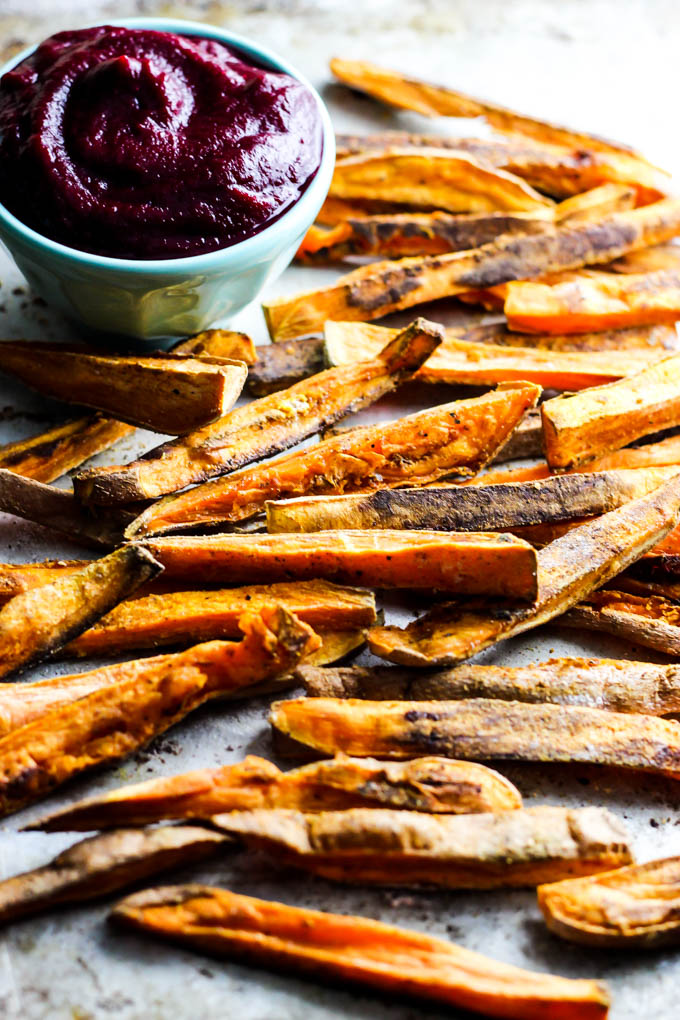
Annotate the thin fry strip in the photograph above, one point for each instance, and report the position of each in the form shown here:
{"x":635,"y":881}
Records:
{"x":451,"y":439}
{"x":48,"y":455}
{"x":651,"y":621}
{"x":636,"y":907}
{"x":382,"y":287}
{"x":615,"y":685}
{"x":433,"y":785}
{"x":36,"y":623}
{"x":263,"y":427}
{"x":482,"y":728}
{"x":150,"y":696}
{"x":355,"y":949}
{"x":568,"y":570}
{"x":103,"y":864}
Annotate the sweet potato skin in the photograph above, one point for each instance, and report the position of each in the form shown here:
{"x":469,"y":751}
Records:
{"x":50,"y":454}
{"x":281,"y":365}
{"x":358,"y":950}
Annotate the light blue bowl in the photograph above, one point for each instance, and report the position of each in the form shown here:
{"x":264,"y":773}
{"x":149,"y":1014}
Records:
{"x":161,"y":298}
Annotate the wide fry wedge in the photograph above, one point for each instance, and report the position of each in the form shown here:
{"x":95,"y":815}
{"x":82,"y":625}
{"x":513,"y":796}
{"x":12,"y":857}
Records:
{"x":649,"y":620}
{"x":451,"y":439}
{"x":95,"y":867}
{"x":426,"y":784}
{"x":616,"y":685}
{"x":474,"y":563}
{"x":382,"y":287}
{"x":355,"y":949}
{"x":165,"y":393}
{"x":568,"y":570}
{"x":37,"y":622}
{"x":50,"y":454}
{"x":482,"y":728}
{"x":406,"y":848}
{"x":263,"y":427}
{"x":148,"y":697}
{"x":636,"y":907}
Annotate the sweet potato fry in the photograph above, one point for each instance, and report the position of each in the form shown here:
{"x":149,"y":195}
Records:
{"x":95,"y":867}
{"x":467,"y":563}
{"x":36,"y":623}
{"x":434,"y":785}
{"x":451,"y":439}
{"x":647,"y":260}
{"x":356,"y":949}
{"x":336,"y":645}
{"x":141,"y":700}
{"x":568,"y":570}
{"x":482,"y":728}
{"x":166,"y":393}
{"x":263,"y":427}
{"x":579,"y":427}
{"x":176,"y":618}
{"x":636,"y":907}
{"x":651,"y":621}
{"x":596,"y":202}
{"x":281,"y":365}
{"x":48,"y":455}
{"x":219,"y":343}
{"x":469,"y":508}
{"x":372,"y":291}
{"x":616,"y":685}
{"x":406,"y":848}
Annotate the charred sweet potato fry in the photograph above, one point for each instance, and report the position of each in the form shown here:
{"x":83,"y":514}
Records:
{"x":568,"y":570}
{"x":356,"y":949}
{"x":372,"y":291}
{"x":281,"y":365}
{"x":50,"y":454}
{"x":469,"y":508}
{"x":406,"y":848}
{"x":95,"y":867}
{"x":434,"y":785}
{"x":219,"y":343}
{"x":616,"y":685}
{"x":651,"y":621}
{"x":636,"y":907}
{"x":145,"y":699}
{"x":36,"y":623}
{"x":166,"y":393}
{"x":175,"y":618}
{"x":579,"y":427}
{"x":451,"y":439}
{"x":265,"y":426}
{"x":468,"y":563}
{"x":482,"y":728}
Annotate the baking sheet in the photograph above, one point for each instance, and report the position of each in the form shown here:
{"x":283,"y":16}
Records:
{"x":585,"y":64}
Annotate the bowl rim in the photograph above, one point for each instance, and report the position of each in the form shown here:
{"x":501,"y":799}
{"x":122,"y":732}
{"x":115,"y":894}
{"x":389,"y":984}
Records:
{"x":294,"y":220}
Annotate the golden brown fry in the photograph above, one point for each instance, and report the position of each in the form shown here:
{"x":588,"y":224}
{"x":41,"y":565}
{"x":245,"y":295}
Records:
{"x":36,"y":623}
{"x":636,"y":907}
{"x":568,"y":570}
{"x":166,"y":393}
{"x":50,"y":454}
{"x":406,"y":848}
{"x":281,"y":365}
{"x":651,"y":621}
{"x":263,"y":427}
{"x":337,"y":645}
{"x":356,"y":949}
{"x":219,"y":343}
{"x":372,"y":291}
{"x":95,"y":867}
{"x":451,"y":439}
{"x":593,"y":204}
{"x":647,"y":260}
{"x":435,"y":785}
{"x":142,"y":699}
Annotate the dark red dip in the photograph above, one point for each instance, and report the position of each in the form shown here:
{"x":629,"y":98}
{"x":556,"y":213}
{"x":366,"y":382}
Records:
{"x":141,"y":144}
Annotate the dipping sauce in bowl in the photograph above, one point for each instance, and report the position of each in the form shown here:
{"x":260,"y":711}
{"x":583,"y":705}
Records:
{"x":140,"y":144}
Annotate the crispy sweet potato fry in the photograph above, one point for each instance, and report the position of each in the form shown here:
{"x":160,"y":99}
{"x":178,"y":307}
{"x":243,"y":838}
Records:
{"x":568,"y":570}
{"x":265,"y":426}
{"x":95,"y":867}
{"x":141,"y":700}
{"x":596,"y":202}
{"x":651,"y":621}
{"x":451,"y":439}
{"x":336,"y":645}
{"x":636,"y":907}
{"x":434,"y":785}
{"x":175,"y":618}
{"x":482,"y":728}
{"x":474,"y":563}
{"x":37,"y":622}
{"x":50,"y":454}
{"x":382,"y":287}
{"x":616,"y":685}
{"x":579,"y":427}
{"x":166,"y":393}
{"x":219,"y":343}
{"x":356,"y":949}
{"x":469,"y":508}
{"x":281,"y":365}
{"x":405,"y":848}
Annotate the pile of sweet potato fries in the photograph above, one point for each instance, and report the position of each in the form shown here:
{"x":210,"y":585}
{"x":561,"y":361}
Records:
{"x":245,"y":575}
